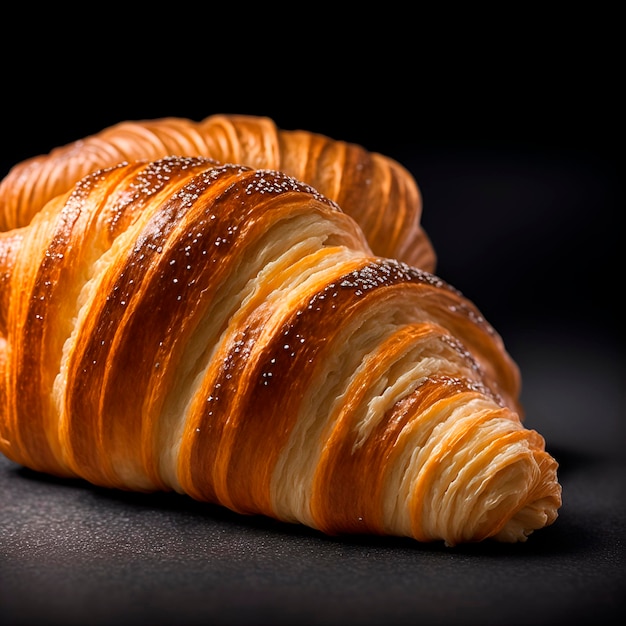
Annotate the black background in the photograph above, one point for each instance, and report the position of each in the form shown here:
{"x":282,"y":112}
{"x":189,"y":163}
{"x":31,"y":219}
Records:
{"x":512,"y":128}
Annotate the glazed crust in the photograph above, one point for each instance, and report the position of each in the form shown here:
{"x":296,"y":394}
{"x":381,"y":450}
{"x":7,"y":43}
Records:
{"x":378,"y":192}
{"x":227,"y":332}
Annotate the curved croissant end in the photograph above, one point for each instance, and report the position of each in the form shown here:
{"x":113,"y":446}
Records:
{"x":375,"y":190}
{"x":227,"y":333}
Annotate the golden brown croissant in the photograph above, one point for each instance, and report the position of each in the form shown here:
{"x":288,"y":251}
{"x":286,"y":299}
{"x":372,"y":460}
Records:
{"x":227,"y":333}
{"x":375,"y":190}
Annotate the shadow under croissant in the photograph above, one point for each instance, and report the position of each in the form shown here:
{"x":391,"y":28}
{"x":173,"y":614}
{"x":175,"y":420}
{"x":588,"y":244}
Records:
{"x":565,"y":536}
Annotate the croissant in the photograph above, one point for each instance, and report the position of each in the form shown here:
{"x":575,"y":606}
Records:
{"x":375,"y":190}
{"x":227,"y":332}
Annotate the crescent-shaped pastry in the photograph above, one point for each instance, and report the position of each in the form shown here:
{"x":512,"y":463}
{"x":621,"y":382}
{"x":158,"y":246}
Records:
{"x":378,"y":192}
{"x":227,"y":332}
